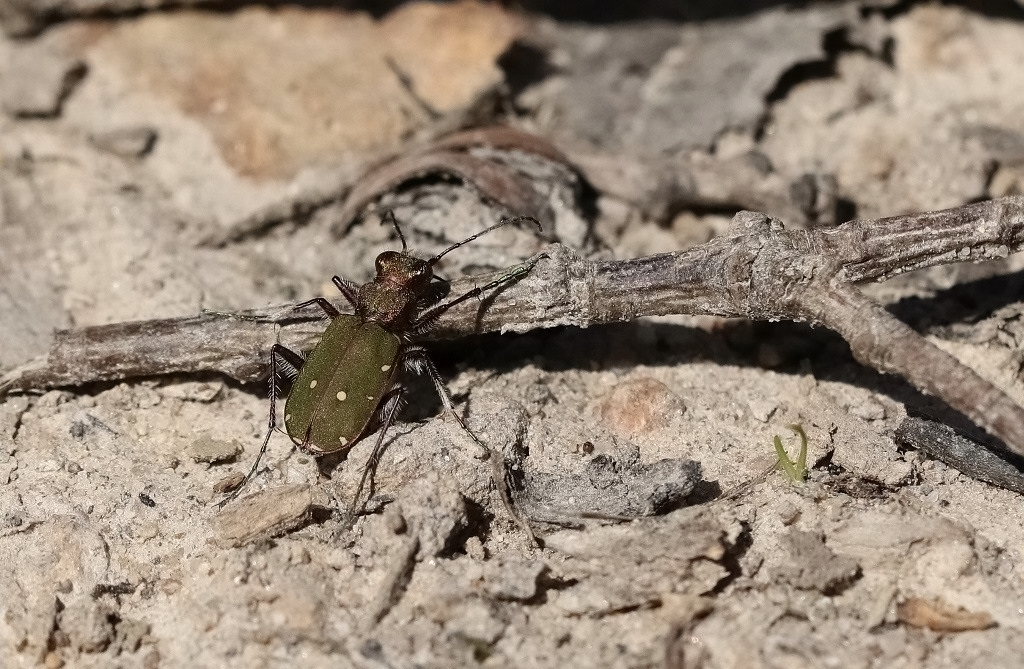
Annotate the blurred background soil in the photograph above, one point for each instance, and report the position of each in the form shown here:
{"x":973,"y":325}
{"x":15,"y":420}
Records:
{"x":130,"y":132}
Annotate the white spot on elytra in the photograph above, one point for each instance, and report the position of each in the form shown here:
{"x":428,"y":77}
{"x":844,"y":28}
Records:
{"x":312,"y":384}
{"x":287,"y":417}
{"x":369,"y":397}
{"x":385,"y":368}
{"x":343,"y":440}
{"x":341,"y":395}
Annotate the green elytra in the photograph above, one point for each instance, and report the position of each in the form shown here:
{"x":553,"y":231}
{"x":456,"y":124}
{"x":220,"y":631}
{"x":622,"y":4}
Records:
{"x":349,"y":384}
{"x":331,"y":403}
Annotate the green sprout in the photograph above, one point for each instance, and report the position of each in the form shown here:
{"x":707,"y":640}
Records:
{"x":797,"y":471}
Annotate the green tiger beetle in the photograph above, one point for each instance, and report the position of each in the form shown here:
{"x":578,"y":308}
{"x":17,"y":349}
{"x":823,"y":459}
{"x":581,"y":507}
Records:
{"x":350,"y":385}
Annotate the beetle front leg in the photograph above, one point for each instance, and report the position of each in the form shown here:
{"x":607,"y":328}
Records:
{"x":329,"y":310}
{"x":292,"y":362}
{"x":430,"y":315}
{"x":349,"y":290}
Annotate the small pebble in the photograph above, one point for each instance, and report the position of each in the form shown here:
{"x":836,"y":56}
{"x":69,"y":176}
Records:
{"x":267,"y":514}
{"x":475,"y":548}
{"x":639,"y":406}
{"x":88,"y":626}
{"x":37,"y":81}
{"x":128,"y":142}
{"x":394,"y":520}
{"x":212,"y":450}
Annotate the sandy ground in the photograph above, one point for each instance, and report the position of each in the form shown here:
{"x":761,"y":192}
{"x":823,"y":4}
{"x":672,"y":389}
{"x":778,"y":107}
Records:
{"x":125,"y":139}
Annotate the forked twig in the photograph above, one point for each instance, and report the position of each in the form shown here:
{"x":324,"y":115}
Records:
{"x":759,"y":271}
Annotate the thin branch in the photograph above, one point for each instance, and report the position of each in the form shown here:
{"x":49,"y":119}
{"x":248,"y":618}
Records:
{"x":879,"y":340}
{"x":969,"y":457}
{"x":494,"y":181}
{"x":760,"y":271}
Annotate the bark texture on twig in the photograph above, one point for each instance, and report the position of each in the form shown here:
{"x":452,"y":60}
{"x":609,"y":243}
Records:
{"x":759,"y":271}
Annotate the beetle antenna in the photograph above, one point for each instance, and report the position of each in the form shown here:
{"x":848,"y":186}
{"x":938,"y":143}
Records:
{"x":503,"y":222}
{"x":389,"y":217}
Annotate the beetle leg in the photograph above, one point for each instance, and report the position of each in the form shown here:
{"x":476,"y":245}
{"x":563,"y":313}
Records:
{"x":389,"y":407}
{"x":434,"y":293}
{"x":498,"y":471}
{"x":418,"y":355}
{"x":417,"y":358}
{"x":348,"y":289}
{"x":329,"y":310}
{"x":290,"y":359}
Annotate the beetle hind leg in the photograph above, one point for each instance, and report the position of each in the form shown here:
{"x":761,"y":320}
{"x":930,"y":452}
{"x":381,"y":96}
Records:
{"x":290,"y":364}
{"x":389,"y":408}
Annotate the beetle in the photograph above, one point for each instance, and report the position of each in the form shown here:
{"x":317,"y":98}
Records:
{"x":350,"y":384}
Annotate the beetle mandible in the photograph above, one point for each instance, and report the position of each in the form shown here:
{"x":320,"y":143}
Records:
{"x":349,"y":384}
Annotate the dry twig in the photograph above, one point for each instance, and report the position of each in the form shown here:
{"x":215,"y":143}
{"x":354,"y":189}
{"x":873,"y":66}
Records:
{"x":759,"y":271}
{"x":964,"y":455}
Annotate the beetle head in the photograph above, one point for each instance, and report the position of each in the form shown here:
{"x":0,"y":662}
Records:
{"x":404,"y":269}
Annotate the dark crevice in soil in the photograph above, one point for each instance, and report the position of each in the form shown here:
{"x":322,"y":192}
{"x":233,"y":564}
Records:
{"x":524,"y":64}
{"x":834,"y":43}
{"x":731,"y":560}
{"x":611,"y":11}
{"x":479,"y":521}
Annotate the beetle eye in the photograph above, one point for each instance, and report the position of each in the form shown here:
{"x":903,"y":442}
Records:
{"x":383,"y":260}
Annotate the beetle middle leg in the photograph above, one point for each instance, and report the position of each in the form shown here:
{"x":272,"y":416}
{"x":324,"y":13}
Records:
{"x":290,"y":362}
{"x":330,"y":311}
{"x":417,"y":355}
